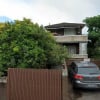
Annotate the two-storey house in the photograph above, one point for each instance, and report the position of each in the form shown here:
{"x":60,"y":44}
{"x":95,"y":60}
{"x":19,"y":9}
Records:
{"x":70,"y":35}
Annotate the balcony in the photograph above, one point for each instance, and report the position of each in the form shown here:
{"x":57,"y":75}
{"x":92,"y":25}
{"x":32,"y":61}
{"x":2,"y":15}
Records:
{"x":79,"y":56}
{"x":71,"y":38}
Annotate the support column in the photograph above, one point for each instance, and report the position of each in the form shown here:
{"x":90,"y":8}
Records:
{"x":82,"y":48}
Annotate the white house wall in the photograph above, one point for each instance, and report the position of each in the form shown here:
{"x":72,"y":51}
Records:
{"x":71,"y":38}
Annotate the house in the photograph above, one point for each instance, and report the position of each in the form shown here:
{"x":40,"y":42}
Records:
{"x":70,"y":35}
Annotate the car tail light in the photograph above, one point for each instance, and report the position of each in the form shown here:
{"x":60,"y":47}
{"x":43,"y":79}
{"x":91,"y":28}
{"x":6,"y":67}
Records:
{"x":77,"y":76}
{"x":99,"y":77}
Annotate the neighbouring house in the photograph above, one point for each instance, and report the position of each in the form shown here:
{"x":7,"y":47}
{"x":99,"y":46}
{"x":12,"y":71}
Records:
{"x":70,"y":35}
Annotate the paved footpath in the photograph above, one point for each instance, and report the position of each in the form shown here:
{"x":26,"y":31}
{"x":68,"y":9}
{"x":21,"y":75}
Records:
{"x":2,"y":91}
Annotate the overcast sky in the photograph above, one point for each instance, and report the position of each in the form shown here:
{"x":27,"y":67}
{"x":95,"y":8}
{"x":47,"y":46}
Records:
{"x":50,"y":11}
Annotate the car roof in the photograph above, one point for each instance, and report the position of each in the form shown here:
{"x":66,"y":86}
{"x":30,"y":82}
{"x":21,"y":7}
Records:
{"x":84,"y":64}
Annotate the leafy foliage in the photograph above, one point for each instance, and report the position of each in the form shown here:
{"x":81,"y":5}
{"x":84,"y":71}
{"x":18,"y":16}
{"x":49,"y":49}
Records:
{"x":27,"y":45}
{"x":93,"y":24}
{"x":2,"y":25}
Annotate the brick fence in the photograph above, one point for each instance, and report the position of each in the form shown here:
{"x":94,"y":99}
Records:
{"x":96,"y":61}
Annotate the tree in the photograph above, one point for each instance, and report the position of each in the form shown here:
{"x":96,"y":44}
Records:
{"x":1,"y":27}
{"x":93,"y":24}
{"x":27,"y":45}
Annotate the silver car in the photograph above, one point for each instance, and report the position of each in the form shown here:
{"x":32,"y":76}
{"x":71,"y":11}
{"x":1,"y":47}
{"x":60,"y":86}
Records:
{"x":84,"y":74}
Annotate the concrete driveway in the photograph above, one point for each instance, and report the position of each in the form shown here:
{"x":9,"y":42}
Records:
{"x":83,"y":94}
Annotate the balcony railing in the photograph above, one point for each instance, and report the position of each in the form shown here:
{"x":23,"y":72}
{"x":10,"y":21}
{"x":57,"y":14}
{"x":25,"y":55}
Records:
{"x":71,"y":38}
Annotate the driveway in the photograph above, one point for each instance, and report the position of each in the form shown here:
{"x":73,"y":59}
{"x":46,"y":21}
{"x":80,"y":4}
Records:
{"x":83,"y":94}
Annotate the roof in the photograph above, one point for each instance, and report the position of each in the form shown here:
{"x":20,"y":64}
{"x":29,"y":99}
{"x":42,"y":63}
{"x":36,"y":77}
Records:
{"x":85,"y":63}
{"x":65,"y":25}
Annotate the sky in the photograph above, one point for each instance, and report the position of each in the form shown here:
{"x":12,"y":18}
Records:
{"x":50,"y":11}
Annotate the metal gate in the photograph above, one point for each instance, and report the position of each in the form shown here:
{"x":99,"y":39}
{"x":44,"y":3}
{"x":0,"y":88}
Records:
{"x":34,"y":84}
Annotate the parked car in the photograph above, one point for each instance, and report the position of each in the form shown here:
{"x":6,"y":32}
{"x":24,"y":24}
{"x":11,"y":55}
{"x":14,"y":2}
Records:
{"x":84,"y":74}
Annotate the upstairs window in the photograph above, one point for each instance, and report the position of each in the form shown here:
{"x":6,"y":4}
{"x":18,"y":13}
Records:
{"x":69,"y":31}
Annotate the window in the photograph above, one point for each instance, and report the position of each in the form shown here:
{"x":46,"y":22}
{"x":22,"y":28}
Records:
{"x":72,"y":49}
{"x":69,"y":31}
{"x":88,"y":70}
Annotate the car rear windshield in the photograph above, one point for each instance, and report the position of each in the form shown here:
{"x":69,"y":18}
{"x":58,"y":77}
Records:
{"x":88,"y":70}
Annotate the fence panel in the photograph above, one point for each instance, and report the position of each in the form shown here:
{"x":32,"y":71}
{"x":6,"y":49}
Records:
{"x":33,"y":84}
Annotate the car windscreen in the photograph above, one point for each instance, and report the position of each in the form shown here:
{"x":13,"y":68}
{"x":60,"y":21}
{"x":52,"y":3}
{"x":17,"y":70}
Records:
{"x":88,"y":70}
